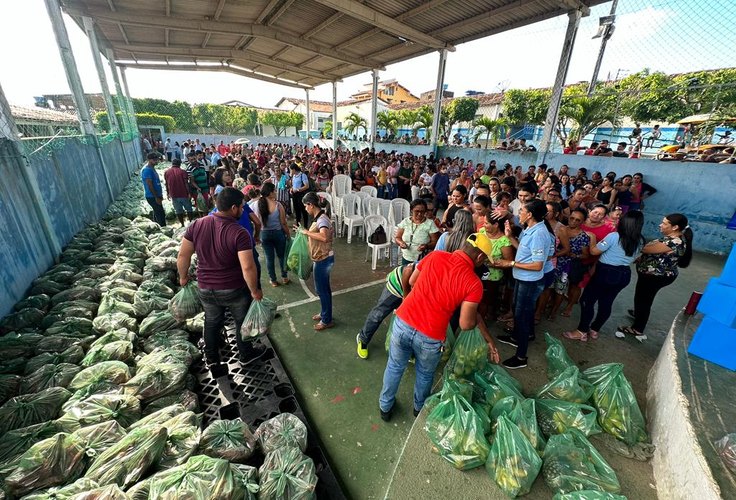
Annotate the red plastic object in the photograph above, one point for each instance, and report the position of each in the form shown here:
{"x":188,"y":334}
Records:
{"x":692,"y":304}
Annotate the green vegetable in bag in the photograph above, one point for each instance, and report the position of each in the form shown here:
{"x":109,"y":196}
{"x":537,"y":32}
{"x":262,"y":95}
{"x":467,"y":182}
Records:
{"x":123,"y":294}
{"x":299,"y":259}
{"x":567,"y":386}
{"x":571,"y":463}
{"x":287,"y":473}
{"x":67,"y":492}
{"x":29,"y":409}
{"x":524,"y":415}
{"x":109,"y":492}
{"x":588,"y":495}
{"x":25,"y":318}
{"x":127,"y":461}
{"x":159,"y":417}
{"x":101,"y":408}
{"x":618,"y":410}
{"x":99,"y":437}
{"x":9,"y":386}
{"x":120,"y":350}
{"x":76,"y":293}
{"x":14,"y":443}
{"x":177,"y":354}
{"x":153,"y":381}
{"x":557,"y":417}
{"x":450,"y":387}
{"x":557,"y":358}
{"x":104,"y":323}
{"x":258,"y":319}
{"x":165,"y":339}
{"x":115,"y":336}
{"x":457,"y":432}
{"x":96,"y":376}
{"x":186,"y":398}
{"x":17,"y":346}
{"x":490,"y":389}
{"x":229,"y":439}
{"x":58,"y":343}
{"x":182,"y":441}
{"x":50,"y":462}
{"x":280,"y":431}
{"x":469,"y":354}
{"x":40,"y":301}
{"x":70,"y":325}
{"x":513,"y":462}
{"x":72,"y":355}
{"x":141,"y":489}
{"x":109,"y":304}
{"x":157,"y":321}
{"x":49,"y":376}
{"x":200,"y":478}
{"x":157,"y":288}
{"x":185,"y":303}
{"x":13,"y":366}
{"x":246,"y":477}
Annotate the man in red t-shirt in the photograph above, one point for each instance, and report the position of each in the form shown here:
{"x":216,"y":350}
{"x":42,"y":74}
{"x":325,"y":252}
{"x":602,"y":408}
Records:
{"x":226,"y":274}
{"x":441,"y":283}
{"x":223,"y":149}
{"x":177,"y":190}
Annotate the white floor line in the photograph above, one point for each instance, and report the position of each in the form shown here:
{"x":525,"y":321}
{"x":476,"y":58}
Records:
{"x":314,"y":298}
{"x":306,"y":289}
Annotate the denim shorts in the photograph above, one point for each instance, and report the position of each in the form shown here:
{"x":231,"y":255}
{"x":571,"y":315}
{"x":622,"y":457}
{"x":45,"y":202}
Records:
{"x":182,"y":205}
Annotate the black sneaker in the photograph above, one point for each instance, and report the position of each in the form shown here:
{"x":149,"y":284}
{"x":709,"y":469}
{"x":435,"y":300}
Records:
{"x":416,"y":412}
{"x":254,"y":355}
{"x":508,"y":340}
{"x":218,"y":370}
{"x":532,"y":338}
{"x":386,"y":415}
{"x":513,"y":363}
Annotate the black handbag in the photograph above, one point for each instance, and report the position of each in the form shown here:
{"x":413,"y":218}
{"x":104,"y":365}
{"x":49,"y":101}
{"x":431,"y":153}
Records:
{"x":378,"y":237}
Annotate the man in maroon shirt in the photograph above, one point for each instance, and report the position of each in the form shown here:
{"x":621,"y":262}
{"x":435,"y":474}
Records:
{"x":177,"y":190}
{"x":226,"y":274}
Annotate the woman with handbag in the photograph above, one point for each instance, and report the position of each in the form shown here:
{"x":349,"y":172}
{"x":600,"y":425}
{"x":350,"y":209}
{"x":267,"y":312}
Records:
{"x":570,"y":267}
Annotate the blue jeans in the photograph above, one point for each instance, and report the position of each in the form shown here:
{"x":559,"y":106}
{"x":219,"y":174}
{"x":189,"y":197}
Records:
{"x":387,"y":303}
{"x":383,"y":192}
{"x":606,"y":283}
{"x":427,"y":351}
{"x":274,"y":242}
{"x":322,"y":270}
{"x":526,"y":294}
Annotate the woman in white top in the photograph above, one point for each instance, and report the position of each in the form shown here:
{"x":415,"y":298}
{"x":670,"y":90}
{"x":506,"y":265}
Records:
{"x":416,"y":233}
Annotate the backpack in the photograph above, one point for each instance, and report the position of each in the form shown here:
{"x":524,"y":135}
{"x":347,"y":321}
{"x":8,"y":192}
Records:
{"x":378,"y":237}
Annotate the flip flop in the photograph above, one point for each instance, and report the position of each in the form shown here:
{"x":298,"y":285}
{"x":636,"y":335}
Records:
{"x":583,"y":337}
{"x":565,"y":314}
{"x":323,"y":326}
{"x":317,"y":317}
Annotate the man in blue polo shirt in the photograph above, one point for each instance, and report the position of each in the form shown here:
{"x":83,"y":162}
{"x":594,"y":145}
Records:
{"x":152,"y":188}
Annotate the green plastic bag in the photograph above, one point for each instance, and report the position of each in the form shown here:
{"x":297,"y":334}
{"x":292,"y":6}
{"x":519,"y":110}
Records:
{"x":29,"y":409}
{"x":73,"y":355}
{"x":101,"y":408}
{"x":299,"y":260}
{"x":15,"y":346}
{"x":487,"y":391}
{"x":99,"y":437}
{"x":186,"y":398}
{"x":127,"y":461}
{"x":567,"y":386}
{"x":469,"y":354}
{"x":119,"y":350}
{"x":40,"y":301}
{"x":159,"y":417}
{"x":157,"y":321}
{"x":141,"y":489}
{"x":104,"y":323}
{"x":71,"y":325}
{"x":109,"y":492}
{"x":457,"y":432}
{"x":258,"y":319}
{"x":165,"y":339}
{"x":115,"y":336}
{"x":49,"y":376}
{"x":182,"y":441}
{"x":500,"y":373}
{"x":282,"y":430}
{"x":287,"y":473}
{"x":156,"y":380}
{"x":522,"y":413}
{"x":9,"y":387}
{"x":14,"y":443}
{"x":588,"y":495}
{"x":101,"y":375}
{"x":185,"y":304}
{"x":67,"y":492}
{"x":512,"y":463}
{"x":200,"y":478}
{"x":246,"y":477}
{"x":618,"y":410}
{"x":228,"y":439}
{"x":51,"y":462}
{"x":557,"y":417}
{"x":450,"y":387}
{"x":571,"y":463}
{"x":557,"y":358}
{"x":109,"y":304}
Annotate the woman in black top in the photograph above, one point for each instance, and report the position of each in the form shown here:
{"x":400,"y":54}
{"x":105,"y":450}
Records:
{"x":607,"y":194}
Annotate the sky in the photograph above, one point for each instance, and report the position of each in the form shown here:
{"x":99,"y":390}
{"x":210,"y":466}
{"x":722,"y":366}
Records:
{"x":667,"y":35}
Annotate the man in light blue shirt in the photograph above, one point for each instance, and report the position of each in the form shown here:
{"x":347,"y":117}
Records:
{"x":152,"y":189}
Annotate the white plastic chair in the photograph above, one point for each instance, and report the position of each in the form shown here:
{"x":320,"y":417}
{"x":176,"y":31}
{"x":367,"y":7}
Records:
{"x":370,"y":224}
{"x":341,"y":185}
{"x":352,"y":213}
{"x":374,"y":207}
{"x":370,"y":190}
{"x":385,"y":206}
{"x":333,"y":213}
{"x":399,"y":211}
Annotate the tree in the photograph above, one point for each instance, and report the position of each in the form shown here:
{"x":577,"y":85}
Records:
{"x":526,"y":107}
{"x":462,"y":109}
{"x":424,"y":119}
{"x":354,"y":122}
{"x":407,"y":117}
{"x":151,"y":119}
{"x":582,"y":114}
{"x":327,"y":128}
{"x":180,"y":110}
{"x":226,"y":120}
{"x":492,"y":128}
{"x":388,"y":121}
{"x":282,"y":120}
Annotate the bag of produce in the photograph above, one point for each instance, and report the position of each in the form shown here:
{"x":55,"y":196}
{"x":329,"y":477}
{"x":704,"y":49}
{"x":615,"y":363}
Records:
{"x":101,"y":374}
{"x":13,"y":366}
{"x":287,"y":473}
{"x":186,"y":398}
{"x":185,"y":303}
{"x":145,"y":303}
{"x":98,"y":437}
{"x":29,"y":409}
{"x":14,"y":443}
{"x":246,"y":477}
{"x":159,"y":417}
{"x":73,"y":355}
{"x":127,"y":461}
{"x":122,"y":293}
{"x":229,"y":439}
{"x":165,"y":339}
{"x":457,"y":432}
{"x":71,"y":325}
{"x":557,"y":417}
{"x":78,"y":308}
{"x":571,"y":463}
{"x":9,"y":386}
{"x":127,"y":275}
{"x":513,"y":462}
{"x":119,"y":350}
{"x":200,"y":478}
{"x":58,"y":343}
{"x":18,"y":346}
{"x":109,"y":304}
{"x":618,"y":411}
{"x":282,"y":430}
{"x":450,"y":387}
{"x":299,"y":260}
{"x":182,"y":441}
{"x":567,"y":386}
{"x":153,"y":381}
{"x":109,"y":492}
{"x":588,"y":495}
{"x":195,"y":325}
{"x":76,"y":293}
{"x":40,"y":301}
{"x":157,"y":321}
{"x":157,"y":288}
{"x":258,"y":319}
{"x":49,"y":376}
{"x":51,"y":462}
{"x":104,"y":323}
{"x":500,"y":373}
{"x":115,"y":336}
{"x":557,"y":357}
{"x":140,"y":490}
{"x":25,"y":318}
{"x":177,"y":353}
{"x":726,"y":448}
{"x":99,"y":408}
{"x":523,"y":414}
{"x":47,"y":287}
{"x":67,"y":492}
{"x":162,"y":264}
{"x":488,"y":390}
{"x":469,"y":354}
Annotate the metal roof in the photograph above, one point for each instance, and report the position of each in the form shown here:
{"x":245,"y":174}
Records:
{"x":299,"y":43}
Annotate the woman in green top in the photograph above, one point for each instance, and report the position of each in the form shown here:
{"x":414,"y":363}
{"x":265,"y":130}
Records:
{"x":493,"y":279}
{"x":416,"y":233}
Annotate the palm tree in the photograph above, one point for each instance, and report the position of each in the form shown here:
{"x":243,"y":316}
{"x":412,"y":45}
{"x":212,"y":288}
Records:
{"x":327,"y":128}
{"x":585,"y":114}
{"x":354,"y":122}
{"x":492,"y":128}
{"x":424,"y":119}
{"x":388,"y":120}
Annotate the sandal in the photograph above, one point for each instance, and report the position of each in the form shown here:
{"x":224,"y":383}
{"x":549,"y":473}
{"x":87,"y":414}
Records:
{"x":627,"y":331}
{"x":317,"y":317}
{"x":593,"y":334}
{"x":565,"y":314}
{"x":323,"y":326}
{"x":274,"y":284}
{"x":285,"y":281}
{"x":582,"y":337}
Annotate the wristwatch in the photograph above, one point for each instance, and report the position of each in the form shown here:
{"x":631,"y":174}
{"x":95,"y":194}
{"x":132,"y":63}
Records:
{"x":513,"y":263}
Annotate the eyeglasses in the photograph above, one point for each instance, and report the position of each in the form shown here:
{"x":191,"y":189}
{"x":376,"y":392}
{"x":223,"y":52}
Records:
{"x":419,"y":212}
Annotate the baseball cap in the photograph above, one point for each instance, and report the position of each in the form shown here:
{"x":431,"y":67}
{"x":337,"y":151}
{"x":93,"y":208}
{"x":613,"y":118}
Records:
{"x":482,"y":243}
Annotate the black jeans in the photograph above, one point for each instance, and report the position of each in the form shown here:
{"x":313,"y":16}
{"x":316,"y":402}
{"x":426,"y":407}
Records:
{"x":214,"y":303}
{"x":159,"y":214}
{"x":647,"y":287}
{"x":606,"y":283}
{"x":387,"y":303}
{"x":300,"y":213}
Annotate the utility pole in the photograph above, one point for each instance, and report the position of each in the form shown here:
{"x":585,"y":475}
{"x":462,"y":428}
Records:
{"x":605,"y":32}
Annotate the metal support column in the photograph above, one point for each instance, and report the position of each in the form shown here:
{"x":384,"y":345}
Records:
{"x":308,"y":117}
{"x":554,"y":106}
{"x":75,"y":83}
{"x":89,"y":28}
{"x":607,"y":33}
{"x":438,"y":99}
{"x":123,"y":105}
{"x":9,"y":131}
{"x":374,"y":108}
{"x":131,"y":115}
{"x":334,"y":119}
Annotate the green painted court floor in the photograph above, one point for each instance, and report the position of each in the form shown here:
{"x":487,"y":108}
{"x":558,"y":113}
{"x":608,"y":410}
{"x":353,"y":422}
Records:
{"x":339,"y":391}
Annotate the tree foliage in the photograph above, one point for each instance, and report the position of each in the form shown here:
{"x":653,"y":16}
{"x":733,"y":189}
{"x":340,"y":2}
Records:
{"x":462,"y":109}
{"x":354,"y":122}
{"x":526,"y":107}
{"x":180,"y":110}
{"x":490,"y":127}
{"x":150,"y":119}
{"x":424,"y":118}
{"x":580,"y":115}
{"x":282,"y":120}
{"x":226,"y":120}
{"x":388,"y":121}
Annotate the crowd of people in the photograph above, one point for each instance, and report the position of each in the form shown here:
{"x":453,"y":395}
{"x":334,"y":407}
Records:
{"x":481,"y":244}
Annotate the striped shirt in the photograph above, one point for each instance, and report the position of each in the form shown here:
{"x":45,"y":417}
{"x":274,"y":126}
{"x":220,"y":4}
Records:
{"x":393,"y":282}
